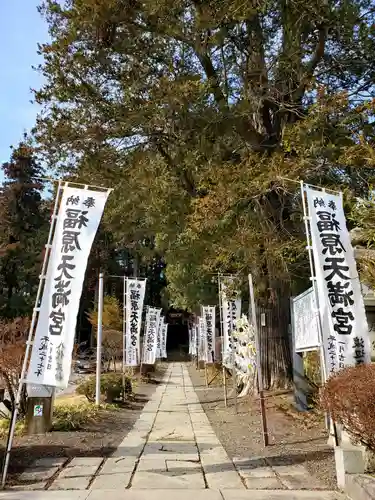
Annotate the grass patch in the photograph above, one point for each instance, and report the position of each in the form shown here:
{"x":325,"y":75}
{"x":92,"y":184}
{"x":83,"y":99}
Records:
{"x":110,"y":387}
{"x":74,"y":417}
{"x":70,"y":399}
{"x":4,"y":427}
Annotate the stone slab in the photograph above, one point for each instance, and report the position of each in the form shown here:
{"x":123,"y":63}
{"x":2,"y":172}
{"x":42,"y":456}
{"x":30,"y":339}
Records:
{"x":152,"y":465}
{"x":50,"y":462}
{"x":300,"y":482}
{"x":360,"y":486}
{"x":182,"y":465}
{"x":281,"y":495}
{"x":79,"y":471}
{"x":171,"y":450}
{"x":167,"y":480}
{"x":263,"y":483}
{"x":44,"y":495}
{"x":70,"y":483}
{"x":129,"y":451}
{"x":259,"y":472}
{"x":38,"y":474}
{"x":223,"y":480}
{"x":115,"y":465}
{"x":29,"y":487}
{"x":115,"y":481}
{"x":86,"y":461}
{"x":290,"y":470}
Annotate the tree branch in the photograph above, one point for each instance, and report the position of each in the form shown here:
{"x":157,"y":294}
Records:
{"x":312,"y":64}
{"x":185,"y":181}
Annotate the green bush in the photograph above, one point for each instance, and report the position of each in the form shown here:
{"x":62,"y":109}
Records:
{"x":4,"y":427}
{"x":74,"y":417}
{"x":110,"y":386}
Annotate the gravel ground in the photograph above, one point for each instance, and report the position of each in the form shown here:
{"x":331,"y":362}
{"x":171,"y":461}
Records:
{"x":295,"y":438}
{"x":97,"y":440}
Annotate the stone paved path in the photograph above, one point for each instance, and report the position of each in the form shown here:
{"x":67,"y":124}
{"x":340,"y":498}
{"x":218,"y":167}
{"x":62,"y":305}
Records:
{"x":171,"y":451}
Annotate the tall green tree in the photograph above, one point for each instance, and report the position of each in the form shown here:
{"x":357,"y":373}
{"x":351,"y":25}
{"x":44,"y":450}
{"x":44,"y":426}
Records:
{"x":24,"y":219}
{"x":194,"y":111}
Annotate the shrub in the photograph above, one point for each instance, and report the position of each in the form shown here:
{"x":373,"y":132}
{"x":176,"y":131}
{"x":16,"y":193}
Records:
{"x":74,"y":417}
{"x":349,"y":397}
{"x":13,"y":336}
{"x":110,"y":385}
{"x":4,"y":427}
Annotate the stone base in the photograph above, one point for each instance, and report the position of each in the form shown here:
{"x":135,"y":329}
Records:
{"x":348,"y":461}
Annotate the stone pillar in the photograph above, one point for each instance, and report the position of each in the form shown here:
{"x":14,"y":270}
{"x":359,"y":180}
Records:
{"x":39,"y":409}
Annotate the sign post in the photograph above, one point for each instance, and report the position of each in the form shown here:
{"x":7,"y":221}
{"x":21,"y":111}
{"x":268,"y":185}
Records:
{"x":259,"y":365}
{"x":99,"y":335}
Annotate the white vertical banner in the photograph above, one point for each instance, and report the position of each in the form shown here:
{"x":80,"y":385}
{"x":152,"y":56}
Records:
{"x":202,"y":340}
{"x":209,"y":322}
{"x":190,"y":341}
{"x":159,"y":338}
{"x":231,"y":312}
{"x":150,"y":337}
{"x":164,"y":340}
{"x":341,"y":307}
{"x":135,"y":295}
{"x":193,"y":340}
{"x":77,"y":222}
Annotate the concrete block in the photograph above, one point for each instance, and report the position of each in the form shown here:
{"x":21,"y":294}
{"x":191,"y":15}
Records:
{"x":171,"y":451}
{"x":263,"y":483}
{"x":38,"y":474}
{"x":44,"y":495}
{"x":222,"y":480}
{"x":70,"y":483}
{"x":281,"y":495}
{"x":115,"y":481}
{"x":290,"y":470}
{"x":133,"y":494}
{"x":79,"y":471}
{"x":360,"y":486}
{"x":86,"y":461}
{"x":348,"y":461}
{"x":167,"y":480}
{"x":116,"y":465}
{"x":300,"y":482}
{"x":152,"y":465}
{"x":50,"y":462}
{"x":29,"y":487}
{"x":182,"y":466}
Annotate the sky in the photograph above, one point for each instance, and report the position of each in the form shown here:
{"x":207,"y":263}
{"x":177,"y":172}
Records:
{"x":21,"y":28}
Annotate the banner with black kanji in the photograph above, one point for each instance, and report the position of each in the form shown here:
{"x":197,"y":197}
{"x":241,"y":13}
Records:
{"x":341,"y":307}
{"x":231,"y":312}
{"x":135,"y":296}
{"x":77,"y":222}
{"x":153,"y":320}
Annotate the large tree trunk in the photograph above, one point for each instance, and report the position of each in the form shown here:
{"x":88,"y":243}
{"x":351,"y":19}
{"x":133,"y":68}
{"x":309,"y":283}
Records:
{"x":274,"y":339}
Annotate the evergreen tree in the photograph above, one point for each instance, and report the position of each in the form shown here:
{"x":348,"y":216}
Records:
{"x":24,"y":217}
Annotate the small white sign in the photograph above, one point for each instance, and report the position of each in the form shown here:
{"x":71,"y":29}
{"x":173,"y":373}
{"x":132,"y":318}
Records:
{"x":305,"y":322}
{"x":38,"y":410}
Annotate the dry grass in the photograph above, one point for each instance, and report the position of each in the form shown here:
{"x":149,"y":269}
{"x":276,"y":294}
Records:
{"x":69,"y":399}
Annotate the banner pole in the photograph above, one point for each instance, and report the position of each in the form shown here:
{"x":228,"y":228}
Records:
{"x":259,"y":365}
{"x":123,"y":337}
{"x":144,"y":340}
{"x":323,"y":369}
{"x":21,"y":381}
{"x":222,"y":344}
{"x":196,"y":344}
{"x":99,"y":339}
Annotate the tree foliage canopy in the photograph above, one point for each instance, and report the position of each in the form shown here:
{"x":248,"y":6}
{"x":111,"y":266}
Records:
{"x":197,"y":110}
